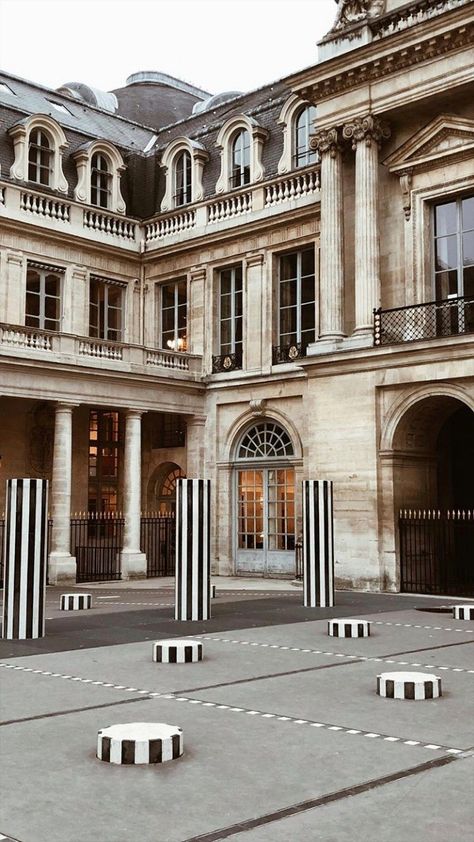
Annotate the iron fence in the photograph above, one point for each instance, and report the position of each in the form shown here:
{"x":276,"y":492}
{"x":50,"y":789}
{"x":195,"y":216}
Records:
{"x":227,"y":362}
{"x":435,"y":319}
{"x":288,"y":353}
{"x":157,"y":540}
{"x":299,"y":560}
{"x":96,"y":542}
{"x":437,"y":552}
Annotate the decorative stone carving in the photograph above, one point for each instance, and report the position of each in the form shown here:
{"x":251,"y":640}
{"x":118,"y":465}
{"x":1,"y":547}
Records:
{"x":356,"y":11}
{"x":257,"y":407}
{"x":367,"y":128}
{"x":327,"y":140}
{"x":405,"y":186}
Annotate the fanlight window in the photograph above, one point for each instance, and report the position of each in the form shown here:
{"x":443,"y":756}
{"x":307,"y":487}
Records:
{"x":40,"y":157}
{"x":101,"y":181}
{"x":168,"y":488}
{"x":265,"y":441}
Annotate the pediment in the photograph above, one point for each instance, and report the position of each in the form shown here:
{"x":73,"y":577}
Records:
{"x":447,"y":137}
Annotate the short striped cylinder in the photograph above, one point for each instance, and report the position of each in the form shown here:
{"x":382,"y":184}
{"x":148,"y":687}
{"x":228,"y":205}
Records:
{"x":137,"y":743}
{"x":75,"y":601}
{"x":177,"y":651}
{"x":349,"y":628}
{"x":25,"y":558}
{"x":463,"y":612}
{"x":213,"y":591}
{"x":318,"y":544}
{"x":192,"y":595}
{"x":415,"y":686}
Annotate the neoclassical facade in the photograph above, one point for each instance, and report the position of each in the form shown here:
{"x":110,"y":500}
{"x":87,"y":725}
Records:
{"x":260,"y":289}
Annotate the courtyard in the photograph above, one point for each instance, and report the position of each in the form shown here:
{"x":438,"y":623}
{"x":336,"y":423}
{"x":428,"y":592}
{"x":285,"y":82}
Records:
{"x":285,"y":738}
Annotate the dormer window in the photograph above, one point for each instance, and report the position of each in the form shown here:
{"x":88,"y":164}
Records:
{"x":40,"y":157}
{"x":298,"y":120}
{"x":39,"y":143}
{"x":241,"y":160}
{"x":99,"y":170}
{"x":101,"y":181}
{"x":183,"y":179}
{"x":303,"y":155}
{"x":241,"y":142}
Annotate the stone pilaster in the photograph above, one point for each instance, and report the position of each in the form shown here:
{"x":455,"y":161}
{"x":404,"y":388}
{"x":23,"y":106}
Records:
{"x":196,"y":310}
{"x":133,"y":561}
{"x":254,"y":312}
{"x":367,"y":134}
{"x":195,"y":448}
{"x":331,"y":284}
{"x":62,"y":565}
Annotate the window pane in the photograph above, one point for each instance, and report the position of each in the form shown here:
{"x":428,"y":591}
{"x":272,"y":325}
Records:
{"x":468,"y":214}
{"x":33,"y":281}
{"x":446,"y":284}
{"x":446,"y":253}
{"x":226,"y":306}
{"x":288,"y":266}
{"x":468,"y":248}
{"x":288,"y":293}
{"x":32,"y":304}
{"x":226,"y":281}
{"x":307,"y":262}
{"x":307,"y":317}
{"x":51,"y":283}
{"x":446,"y":219}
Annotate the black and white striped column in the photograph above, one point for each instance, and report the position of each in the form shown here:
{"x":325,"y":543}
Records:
{"x":463,"y":612}
{"x":318,"y":544}
{"x":75,"y":601}
{"x":25,"y":558}
{"x":193,"y":573}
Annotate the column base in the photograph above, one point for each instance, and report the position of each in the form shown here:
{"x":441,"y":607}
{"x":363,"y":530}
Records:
{"x":326,"y":345}
{"x":363,"y":338}
{"x":133,"y":565}
{"x":62,"y":569}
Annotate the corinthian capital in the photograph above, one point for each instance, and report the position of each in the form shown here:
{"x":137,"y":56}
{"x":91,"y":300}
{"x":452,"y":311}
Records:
{"x":369,"y":129}
{"x":326,"y":141}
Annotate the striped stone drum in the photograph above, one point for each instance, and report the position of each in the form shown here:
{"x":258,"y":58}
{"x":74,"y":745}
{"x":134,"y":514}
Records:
{"x":348,"y":628}
{"x":135,"y":743}
{"x":25,"y":558}
{"x":415,"y":686}
{"x":75,"y":601}
{"x":177,"y":651}
{"x":463,"y":612}
{"x":193,"y":570}
{"x":318,"y":544}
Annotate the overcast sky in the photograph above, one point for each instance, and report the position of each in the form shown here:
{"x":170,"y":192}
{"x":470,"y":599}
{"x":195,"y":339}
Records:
{"x":217,"y":45}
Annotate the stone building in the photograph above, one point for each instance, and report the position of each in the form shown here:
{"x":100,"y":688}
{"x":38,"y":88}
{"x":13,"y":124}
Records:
{"x":254,"y":287}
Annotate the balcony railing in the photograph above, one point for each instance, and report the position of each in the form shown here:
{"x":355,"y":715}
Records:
{"x":288,"y":353}
{"x":226,"y":362}
{"x":433,"y":320}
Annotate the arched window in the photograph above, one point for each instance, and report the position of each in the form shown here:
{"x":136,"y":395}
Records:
{"x":166,"y":490}
{"x":101,"y":180}
{"x":303,"y":155}
{"x":40,"y":157}
{"x":265,"y":500}
{"x":266,"y":440}
{"x":241,"y":159}
{"x":183,"y":179}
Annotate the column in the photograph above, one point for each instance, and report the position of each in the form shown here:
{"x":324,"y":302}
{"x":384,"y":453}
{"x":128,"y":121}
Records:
{"x":331,"y":284}
{"x":25,"y":558}
{"x":193,"y":579}
{"x":255,"y":334}
{"x":62,"y":565}
{"x":133,"y":561}
{"x":318,"y":544}
{"x":195,"y":448}
{"x":366,"y":134}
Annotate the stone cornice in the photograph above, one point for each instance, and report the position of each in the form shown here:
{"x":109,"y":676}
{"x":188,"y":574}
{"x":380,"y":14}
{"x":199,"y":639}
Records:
{"x":327,"y":141}
{"x":369,"y":129}
{"x":384,"y":57}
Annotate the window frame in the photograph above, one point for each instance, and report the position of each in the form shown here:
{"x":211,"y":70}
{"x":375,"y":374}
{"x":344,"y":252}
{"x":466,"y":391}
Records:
{"x":225,"y":139}
{"x":21,"y":133}
{"x":460,"y":231}
{"x":182,"y":195}
{"x":310,"y":156}
{"x":233,"y":317}
{"x":293,"y":107}
{"x":106,"y":284}
{"x":241,"y":171}
{"x":41,"y":149}
{"x":175,"y":307}
{"x":310,"y":248}
{"x":44,"y":271}
{"x":83,"y":158}
{"x":101,"y":176}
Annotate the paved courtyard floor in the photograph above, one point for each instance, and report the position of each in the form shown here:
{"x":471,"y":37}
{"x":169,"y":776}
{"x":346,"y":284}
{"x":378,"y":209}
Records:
{"x":285,"y":739}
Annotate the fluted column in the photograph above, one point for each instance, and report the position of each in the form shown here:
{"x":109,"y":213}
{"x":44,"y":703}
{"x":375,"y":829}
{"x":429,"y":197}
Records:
{"x":62,"y":565}
{"x":331,"y":307}
{"x":133,"y":561}
{"x":195,"y":446}
{"x":367,"y":134}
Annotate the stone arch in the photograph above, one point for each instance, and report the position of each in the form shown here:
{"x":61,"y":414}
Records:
{"x":248,"y":419}
{"x":408,"y":407}
{"x":160,"y":496}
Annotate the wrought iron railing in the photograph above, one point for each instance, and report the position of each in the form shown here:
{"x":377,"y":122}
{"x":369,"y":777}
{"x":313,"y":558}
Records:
{"x":288,"y":353}
{"x":226,"y":362}
{"x":433,"y":320}
{"x":436,"y":551}
{"x":158,"y":541}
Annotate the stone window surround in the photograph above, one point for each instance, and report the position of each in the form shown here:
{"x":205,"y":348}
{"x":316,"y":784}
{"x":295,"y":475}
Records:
{"x":20,"y":132}
{"x":287,"y":119}
{"x":47,"y":268}
{"x":83,"y":160}
{"x":199,"y":158}
{"x":224,"y":142}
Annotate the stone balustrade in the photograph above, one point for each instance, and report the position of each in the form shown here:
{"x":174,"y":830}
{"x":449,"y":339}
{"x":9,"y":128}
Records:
{"x":292,"y":187}
{"x":25,"y":337}
{"x":165,"y":359}
{"x":100,"y":349}
{"x":44,"y":206}
{"x":229,"y":207}
{"x":108,"y":223}
{"x":173,"y":224}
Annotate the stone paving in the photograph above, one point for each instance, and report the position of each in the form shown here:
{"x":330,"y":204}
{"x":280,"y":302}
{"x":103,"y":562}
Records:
{"x":285,"y":739}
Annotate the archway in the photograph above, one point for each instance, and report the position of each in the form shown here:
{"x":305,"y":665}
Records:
{"x":161,"y":492}
{"x":265,"y":499}
{"x":433,"y":466}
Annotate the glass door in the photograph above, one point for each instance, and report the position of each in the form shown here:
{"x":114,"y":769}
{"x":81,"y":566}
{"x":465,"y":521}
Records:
{"x":265,"y":520}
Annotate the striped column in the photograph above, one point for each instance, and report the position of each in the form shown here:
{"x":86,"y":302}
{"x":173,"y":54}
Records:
{"x":25,"y":558}
{"x":193,"y":575}
{"x":318,"y":544}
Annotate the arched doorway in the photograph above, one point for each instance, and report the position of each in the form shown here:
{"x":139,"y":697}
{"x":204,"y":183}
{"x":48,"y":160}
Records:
{"x":265,"y":498}
{"x":433,"y":489}
{"x":161,"y":497}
